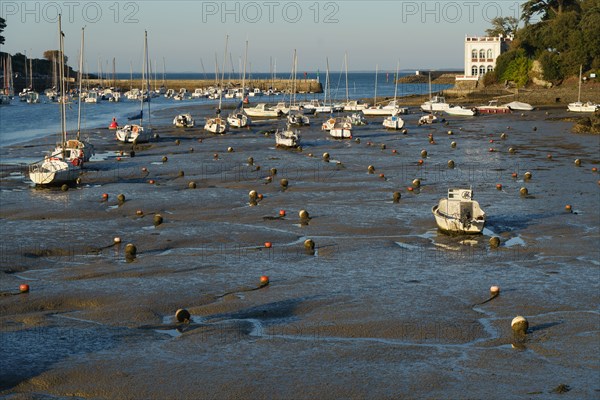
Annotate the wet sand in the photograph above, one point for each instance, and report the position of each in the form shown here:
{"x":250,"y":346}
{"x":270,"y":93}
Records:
{"x":385,"y":308}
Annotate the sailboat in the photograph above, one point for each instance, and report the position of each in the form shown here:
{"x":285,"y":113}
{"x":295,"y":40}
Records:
{"x":435,"y":103}
{"x":351,"y":105}
{"x":295,"y":116}
{"x":287,"y":137}
{"x":64,"y":167}
{"x":237,"y":118}
{"x":394,"y":121}
{"x":84,"y":149}
{"x":578,"y":106}
{"x":378,"y":109}
{"x":137,"y":133}
{"x":218,"y":124}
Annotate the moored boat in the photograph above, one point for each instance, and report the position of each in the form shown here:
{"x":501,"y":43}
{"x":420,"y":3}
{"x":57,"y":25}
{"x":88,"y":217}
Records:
{"x":183,"y":121}
{"x":493,"y":108}
{"x":459,"y":213}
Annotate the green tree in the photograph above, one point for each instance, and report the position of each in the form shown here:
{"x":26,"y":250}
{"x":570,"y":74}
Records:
{"x":52,"y":55}
{"x":503,"y":26}
{"x":547,"y":9}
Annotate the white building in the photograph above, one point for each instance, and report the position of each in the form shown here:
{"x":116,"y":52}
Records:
{"x":480,"y":55}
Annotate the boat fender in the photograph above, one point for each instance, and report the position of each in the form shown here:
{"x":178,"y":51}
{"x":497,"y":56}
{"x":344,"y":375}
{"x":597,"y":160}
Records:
{"x":135,"y":129}
{"x":76,"y":162}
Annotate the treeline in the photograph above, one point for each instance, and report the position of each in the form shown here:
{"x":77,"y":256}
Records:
{"x":565,"y":36}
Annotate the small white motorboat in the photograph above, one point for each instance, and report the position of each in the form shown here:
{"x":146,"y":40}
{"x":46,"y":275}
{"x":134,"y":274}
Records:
{"x":427,"y":119}
{"x":216,"y":125}
{"x":261,"y":111}
{"x":238,"y":120}
{"x":460,"y":110}
{"x":393,"y":122}
{"x":296,"y":119}
{"x":436,"y":103}
{"x":493,"y":108}
{"x":459,"y":213}
{"x":183,"y":121}
{"x":134,"y":133}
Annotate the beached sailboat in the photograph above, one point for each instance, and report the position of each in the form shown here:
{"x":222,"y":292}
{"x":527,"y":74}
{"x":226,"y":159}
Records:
{"x":84,"y":149}
{"x":287,"y":138}
{"x":217,"y":124}
{"x":237,"y":118}
{"x":377,"y":109}
{"x":137,"y":133}
{"x":341,"y":129}
{"x":459,"y":213}
{"x":65,"y":167}
{"x":394,"y":121}
{"x":296,"y":116}
{"x":578,"y":106}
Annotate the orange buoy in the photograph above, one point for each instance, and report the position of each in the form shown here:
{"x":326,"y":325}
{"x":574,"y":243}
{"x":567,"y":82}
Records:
{"x":514,"y":175}
{"x":260,"y":196}
{"x":151,"y":181}
{"x":268,"y":245}
{"x":568,"y":208}
{"x":498,"y":186}
{"x":264,"y":280}
{"x":118,"y":158}
{"x":23,"y":288}
{"x":491,"y":150}
{"x":410,"y":189}
{"x":104,"y":196}
{"x":420,"y":162}
{"x":282,"y":213}
{"x":594,"y":169}
{"x":549,"y":156}
{"x":381,"y":176}
{"x":144,"y":169}
{"x":394,"y":151}
{"x":113,"y":124}
{"x":491,"y":140}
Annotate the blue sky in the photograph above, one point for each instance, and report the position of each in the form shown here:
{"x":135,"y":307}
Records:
{"x":421,"y":34}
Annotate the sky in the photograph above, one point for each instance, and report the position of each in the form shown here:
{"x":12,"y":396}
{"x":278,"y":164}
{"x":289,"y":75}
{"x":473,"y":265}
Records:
{"x":421,"y":35}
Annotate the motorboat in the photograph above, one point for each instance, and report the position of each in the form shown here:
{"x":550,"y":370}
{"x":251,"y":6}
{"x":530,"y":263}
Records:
{"x":393,"y":122}
{"x":493,"y":108}
{"x":183,"y":121}
{"x":341,"y":129}
{"x":427,"y":119}
{"x":460,"y":110}
{"x":261,"y":111}
{"x":519,"y":106}
{"x":436,"y":103}
{"x":459,"y":213}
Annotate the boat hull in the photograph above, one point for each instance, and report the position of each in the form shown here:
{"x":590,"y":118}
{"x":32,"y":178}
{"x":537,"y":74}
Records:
{"x":454,"y":225}
{"x":53,"y":172}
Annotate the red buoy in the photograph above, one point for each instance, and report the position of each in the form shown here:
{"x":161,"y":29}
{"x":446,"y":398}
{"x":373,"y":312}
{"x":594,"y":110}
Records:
{"x":264,"y":280}
{"x":410,"y":189}
{"x":282,"y":213}
{"x":104,"y":196}
{"x":113,"y":124}
{"x":499,"y":186}
{"x":420,"y":162}
{"x":268,"y":245}
{"x":23,"y":288}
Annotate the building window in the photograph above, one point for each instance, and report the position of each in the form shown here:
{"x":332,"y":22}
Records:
{"x":482,"y":70}
{"x":481,"y":53}
{"x":474,"y":53}
{"x":474,"y":70}
{"x":490,"y":68}
{"x":489,"y":54}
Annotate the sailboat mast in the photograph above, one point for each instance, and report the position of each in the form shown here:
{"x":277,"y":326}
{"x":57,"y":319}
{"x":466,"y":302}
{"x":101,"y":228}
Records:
{"x":376,"y":71}
{"x":346,"y":63}
{"x":61,"y":71}
{"x":579,"y":93}
{"x":80,"y":76}
{"x":143,"y":79}
{"x":396,"y":87}
{"x":147,"y":74}
{"x":31,"y":72}
{"x":223,"y":72}
{"x":244,"y":74}
{"x":327,"y":80}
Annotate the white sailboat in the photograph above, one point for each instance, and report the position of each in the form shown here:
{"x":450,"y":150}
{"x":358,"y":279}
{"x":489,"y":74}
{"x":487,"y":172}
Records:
{"x":341,"y":129}
{"x":460,"y":110}
{"x":238,"y":119}
{"x":394,"y":121}
{"x":84,"y":149}
{"x":64,"y":167}
{"x":435,"y":103}
{"x":578,"y":106}
{"x":351,"y":105}
{"x":379,"y":110}
{"x":137,"y":133}
{"x":295,"y":116}
{"x":287,"y":138}
{"x":217,"y":124}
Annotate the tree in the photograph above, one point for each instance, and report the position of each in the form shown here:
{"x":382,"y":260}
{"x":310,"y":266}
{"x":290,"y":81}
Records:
{"x":2,"y":26}
{"x":548,"y":9}
{"x":52,"y":55}
{"x":504,"y":26}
